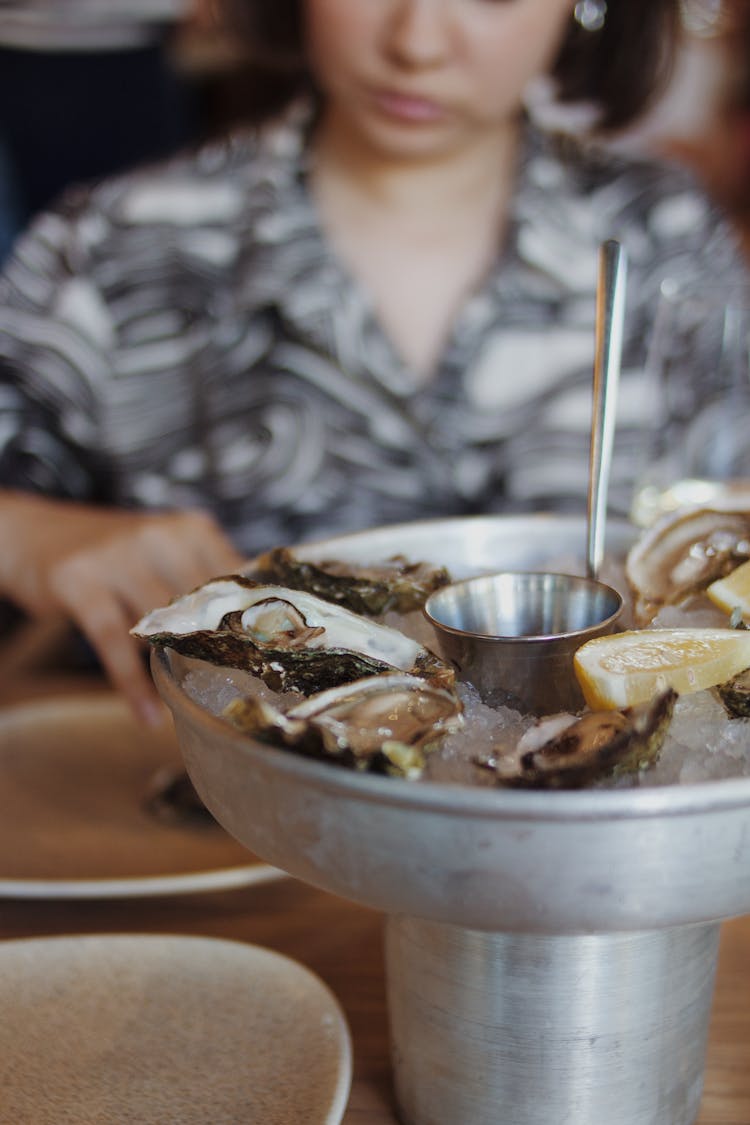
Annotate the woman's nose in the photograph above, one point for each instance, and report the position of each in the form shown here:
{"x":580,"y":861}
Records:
{"x":418,"y":33}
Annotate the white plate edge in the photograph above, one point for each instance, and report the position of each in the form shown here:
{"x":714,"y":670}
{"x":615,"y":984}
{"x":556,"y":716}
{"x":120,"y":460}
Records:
{"x":223,"y":879}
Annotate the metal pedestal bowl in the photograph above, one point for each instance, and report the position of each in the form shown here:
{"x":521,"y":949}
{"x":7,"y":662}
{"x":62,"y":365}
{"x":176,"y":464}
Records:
{"x":550,"y":956}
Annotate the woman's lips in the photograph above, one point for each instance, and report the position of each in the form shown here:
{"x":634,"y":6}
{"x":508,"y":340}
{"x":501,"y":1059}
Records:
{"x":407,"y":107}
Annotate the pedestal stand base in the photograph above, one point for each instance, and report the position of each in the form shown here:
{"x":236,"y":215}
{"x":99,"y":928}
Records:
{"x":519,"y":1029}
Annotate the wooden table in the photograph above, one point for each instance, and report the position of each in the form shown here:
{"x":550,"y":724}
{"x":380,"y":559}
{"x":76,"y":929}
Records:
{"x":342,"y":943}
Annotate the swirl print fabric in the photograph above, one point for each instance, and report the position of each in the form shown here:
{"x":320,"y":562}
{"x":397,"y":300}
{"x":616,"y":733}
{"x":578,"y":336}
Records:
{"x":184,"y":336}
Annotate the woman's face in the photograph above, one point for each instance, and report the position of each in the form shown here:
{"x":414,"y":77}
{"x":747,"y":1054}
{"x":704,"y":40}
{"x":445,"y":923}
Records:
{"x":417,"y":77}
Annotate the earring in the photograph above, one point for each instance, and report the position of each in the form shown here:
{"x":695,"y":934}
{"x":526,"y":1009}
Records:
{"x":590,"y":14}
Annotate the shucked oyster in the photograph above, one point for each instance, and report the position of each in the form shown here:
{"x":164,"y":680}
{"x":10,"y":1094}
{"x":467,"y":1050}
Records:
{"x":387,"y":723}
{"x":597,"y":745}
{"x":735,"y":695}
{"x":683,"y":553}
{"x":395,"y":584}
{"x":291,"y":639}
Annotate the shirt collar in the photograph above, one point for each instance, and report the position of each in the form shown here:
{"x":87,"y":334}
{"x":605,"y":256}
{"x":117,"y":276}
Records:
{"x":288,"y":265}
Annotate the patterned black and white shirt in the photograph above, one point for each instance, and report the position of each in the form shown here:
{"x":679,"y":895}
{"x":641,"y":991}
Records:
{"x":184,"y":336}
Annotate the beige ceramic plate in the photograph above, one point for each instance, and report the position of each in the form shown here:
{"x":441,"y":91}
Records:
{"x":174,"y":1030}
{"x":74,"y":777}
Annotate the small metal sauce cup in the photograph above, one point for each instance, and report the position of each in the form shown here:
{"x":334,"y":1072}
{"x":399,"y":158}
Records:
{"x":513,"y":635}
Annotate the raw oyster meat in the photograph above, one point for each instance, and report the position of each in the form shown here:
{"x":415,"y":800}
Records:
{"x":560,"y":754}
{"x":386,"y":723}
{"x":291,"y":639}
{"x":373,"y":589}
{"x":683,"y":553}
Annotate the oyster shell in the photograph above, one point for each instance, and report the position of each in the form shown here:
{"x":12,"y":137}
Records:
{"x":387,"y":723}
{"x":683,"y":553}
{"x":171,"y":798}
{"x":394,"y":584}
{"x":291,"y":639}
{"x":598,"y":744}
{"x":735,"y":695}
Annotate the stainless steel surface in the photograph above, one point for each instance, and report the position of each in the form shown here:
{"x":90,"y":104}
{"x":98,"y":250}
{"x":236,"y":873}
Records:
{"x":513,"y":635}
{"x":497,"y":1028}
{"x":544,"y":964}
{"x":546,"y":863}
{"x":610,"y":315}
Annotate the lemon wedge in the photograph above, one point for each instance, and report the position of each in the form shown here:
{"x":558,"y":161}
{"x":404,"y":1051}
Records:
{"x":627,"y":668}
{"x":733,"y":592}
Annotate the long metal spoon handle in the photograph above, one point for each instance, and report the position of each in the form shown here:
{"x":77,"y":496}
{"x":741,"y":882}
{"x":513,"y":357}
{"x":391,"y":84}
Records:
{"x":610,"y":316}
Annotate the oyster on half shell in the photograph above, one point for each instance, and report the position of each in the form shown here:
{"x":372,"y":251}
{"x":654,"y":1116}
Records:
{"x":383,"y":723}
{"x":372,"y":589}
{"x":560,"y":754}
{"x":735,"y":695}
{"x":683,"y":553}
{"x":291,"y":639}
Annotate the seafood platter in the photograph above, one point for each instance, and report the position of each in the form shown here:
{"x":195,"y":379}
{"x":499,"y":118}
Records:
{"x":553,"y":887}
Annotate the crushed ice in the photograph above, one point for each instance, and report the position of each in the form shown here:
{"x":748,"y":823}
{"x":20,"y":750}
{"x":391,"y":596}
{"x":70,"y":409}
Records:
{"x":703,"y":744}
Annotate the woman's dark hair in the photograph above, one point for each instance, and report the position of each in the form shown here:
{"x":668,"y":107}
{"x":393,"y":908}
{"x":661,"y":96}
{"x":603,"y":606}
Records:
{"x":620,"y":67}
{"x":623,"y":66}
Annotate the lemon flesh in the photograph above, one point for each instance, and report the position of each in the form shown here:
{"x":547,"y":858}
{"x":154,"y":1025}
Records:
{"x":733,"y":592}
{"x":632,"y":667}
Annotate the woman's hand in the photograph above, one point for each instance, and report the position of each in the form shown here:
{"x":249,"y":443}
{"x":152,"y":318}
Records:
{"x":104,"y":568}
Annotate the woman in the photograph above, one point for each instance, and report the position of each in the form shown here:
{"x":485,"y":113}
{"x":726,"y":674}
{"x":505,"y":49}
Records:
{"x":380,"y":307}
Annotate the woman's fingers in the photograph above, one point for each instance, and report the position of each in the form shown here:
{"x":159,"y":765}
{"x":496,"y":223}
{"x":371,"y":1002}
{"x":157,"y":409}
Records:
{"x":107,"y":585}
{"x":39,"y":536}
{"x":96,"y":608}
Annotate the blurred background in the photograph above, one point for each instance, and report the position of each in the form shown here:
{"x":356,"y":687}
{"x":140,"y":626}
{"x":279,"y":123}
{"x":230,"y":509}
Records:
{"x":83,"y":97}
{"x":703,"y":119}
